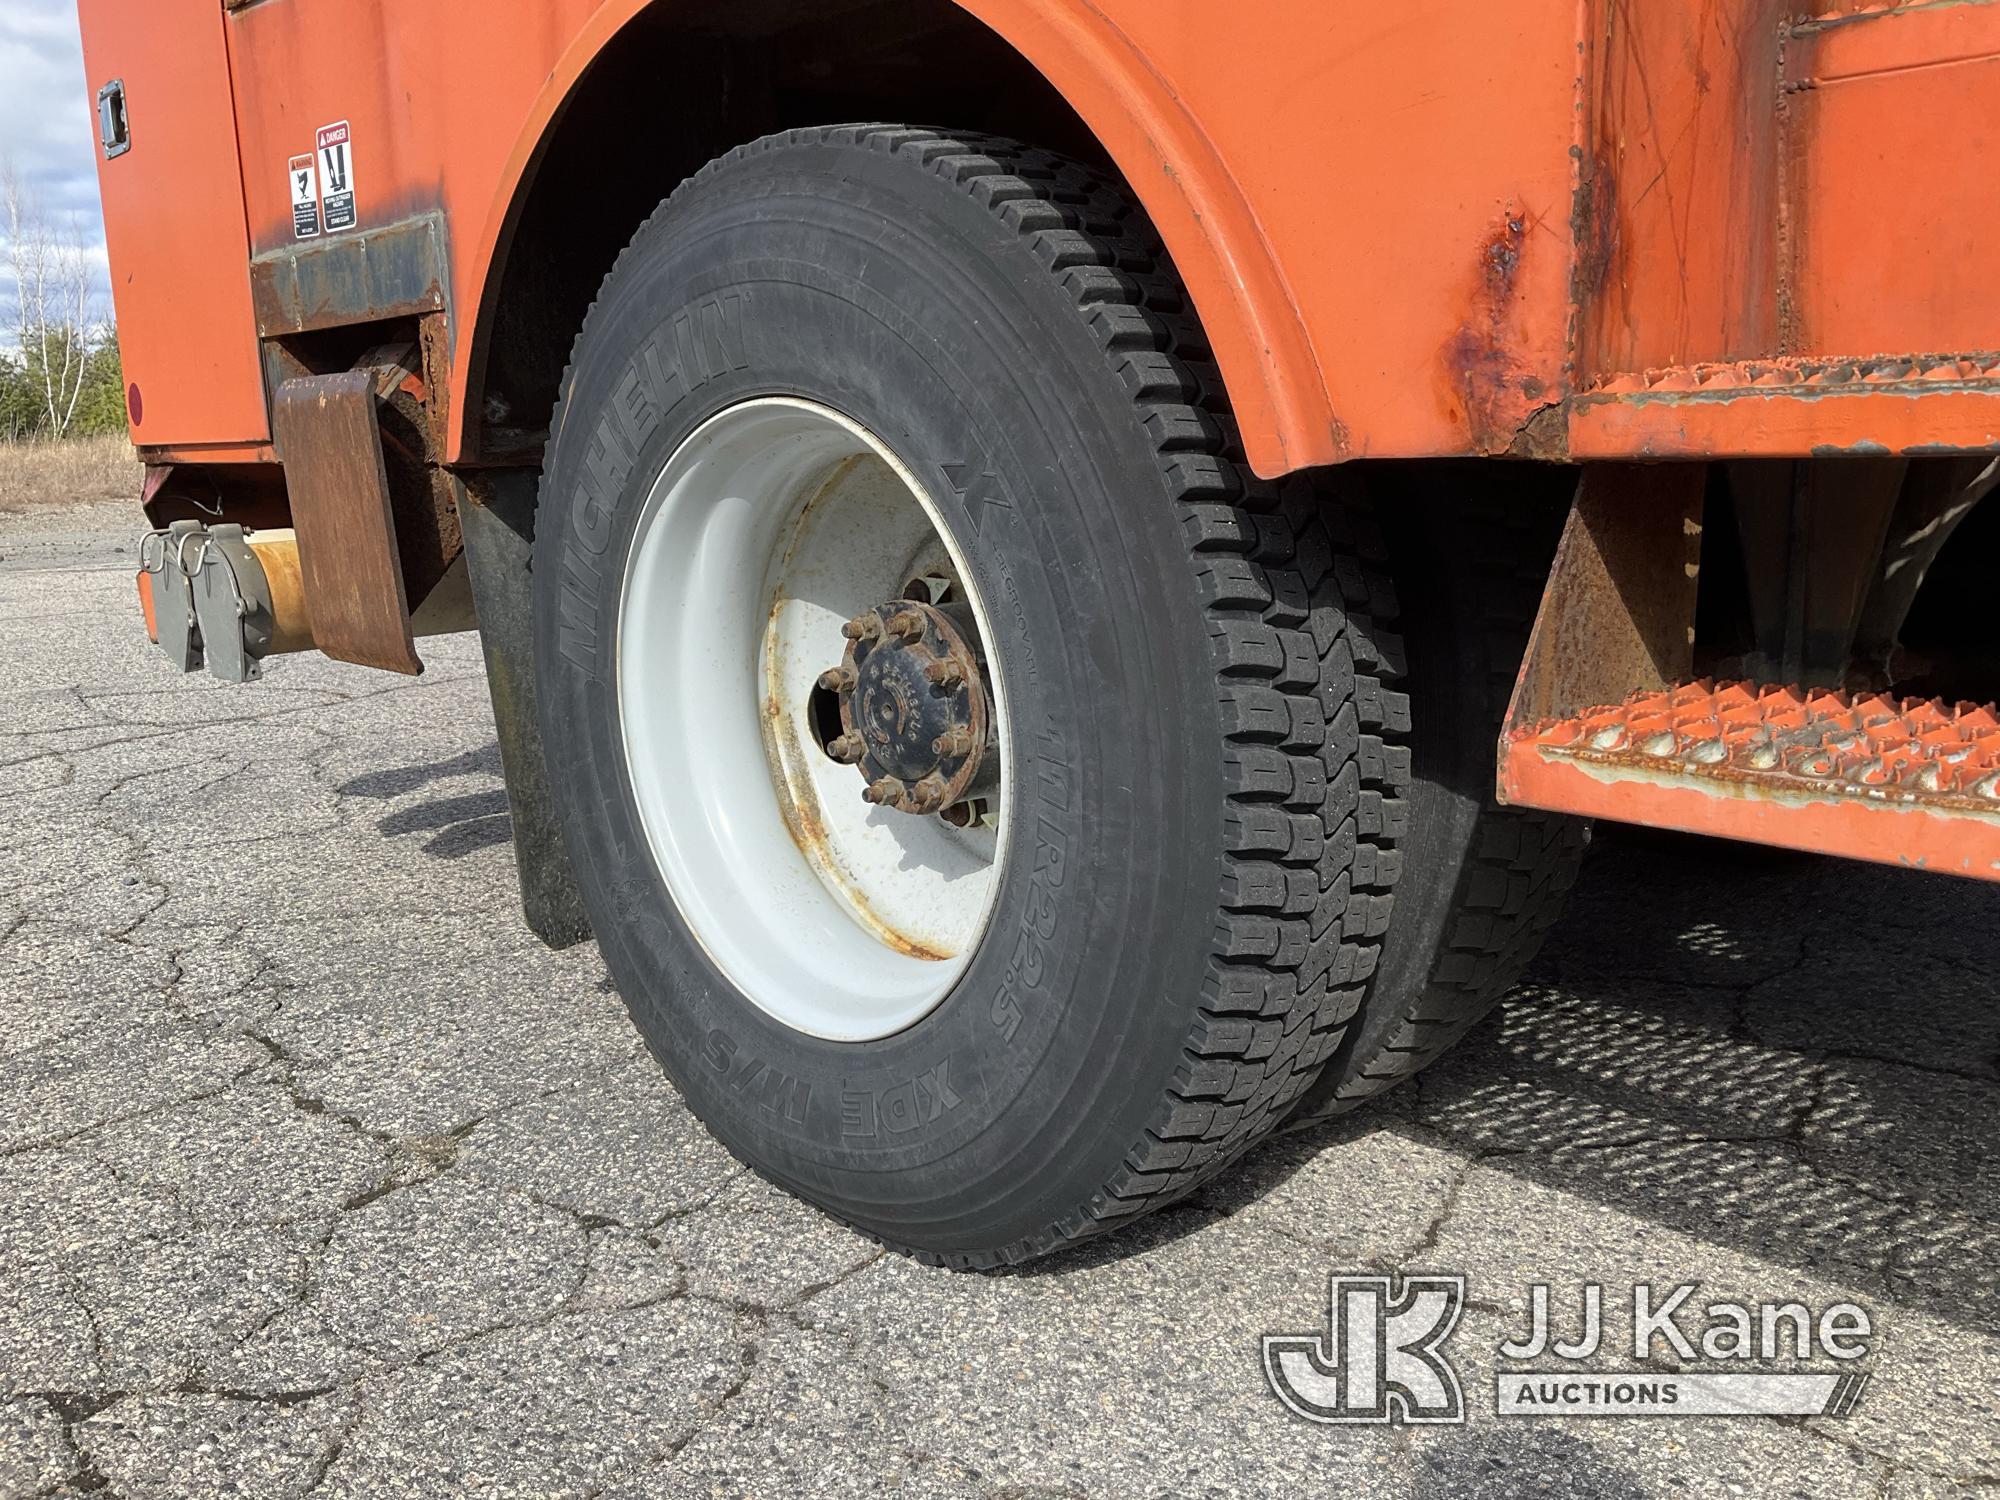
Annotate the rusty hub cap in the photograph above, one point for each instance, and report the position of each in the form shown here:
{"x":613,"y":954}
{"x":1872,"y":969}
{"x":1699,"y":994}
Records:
{"x":914,"y":714}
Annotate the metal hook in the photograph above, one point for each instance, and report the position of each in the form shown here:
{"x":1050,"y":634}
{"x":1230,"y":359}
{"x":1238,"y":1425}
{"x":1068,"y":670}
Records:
{"x":159,"y":565}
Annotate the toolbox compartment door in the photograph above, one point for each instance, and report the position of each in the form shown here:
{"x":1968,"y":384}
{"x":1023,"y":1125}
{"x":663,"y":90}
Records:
{"x":174,"y":222}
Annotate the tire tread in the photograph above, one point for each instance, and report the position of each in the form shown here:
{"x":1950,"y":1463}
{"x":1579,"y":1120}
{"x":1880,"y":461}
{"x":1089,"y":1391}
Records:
{"x":1522,"y":862}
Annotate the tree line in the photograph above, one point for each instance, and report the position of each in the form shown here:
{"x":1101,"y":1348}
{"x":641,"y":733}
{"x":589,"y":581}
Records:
{"x":59,"y":371}
{"x":69,"y":384}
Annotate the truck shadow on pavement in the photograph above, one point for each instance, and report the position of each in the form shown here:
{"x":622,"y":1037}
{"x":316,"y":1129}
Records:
{"x":1787,"y":1057}
{"x":1790,"y":1058}
{"x":459,"y":824}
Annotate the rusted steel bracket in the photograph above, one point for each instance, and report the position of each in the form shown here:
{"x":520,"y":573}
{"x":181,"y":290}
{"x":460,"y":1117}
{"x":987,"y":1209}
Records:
{"x":1937,"y":497}
{"x":1812,"y":535}
{"x":396,"y":368}
{"x":329,"y":435}
{"x":1617,"y":616}
{"x":396,"y":271}
{"x":1604,"y":723}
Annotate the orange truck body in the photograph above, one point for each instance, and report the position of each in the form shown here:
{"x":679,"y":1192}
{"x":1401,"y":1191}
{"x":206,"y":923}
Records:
{"x":1580,"y":228}
{"x":1603,"y":232}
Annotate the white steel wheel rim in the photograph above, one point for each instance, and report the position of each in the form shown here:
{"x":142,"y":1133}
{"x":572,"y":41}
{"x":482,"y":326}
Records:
{"x":771,"y":525}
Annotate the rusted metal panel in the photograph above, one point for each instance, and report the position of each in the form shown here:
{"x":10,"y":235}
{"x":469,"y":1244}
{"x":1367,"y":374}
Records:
{"x":330,"y":438}
{"x":423,"y":496}
{"x":1617,"y":615}
{"x":1770,"y":179}
{"x":396,"y":271}
{"x":1900,"y":782}
{"x":1777,"y":198}
{"x":1497,"y":382}
{"x":421,"y":493}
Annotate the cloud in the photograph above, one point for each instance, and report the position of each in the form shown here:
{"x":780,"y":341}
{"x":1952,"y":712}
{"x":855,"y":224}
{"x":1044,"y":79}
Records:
{"x":48,"y":126}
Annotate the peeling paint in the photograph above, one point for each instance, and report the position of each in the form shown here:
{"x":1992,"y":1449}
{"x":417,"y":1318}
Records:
{"x":1483,"y":369}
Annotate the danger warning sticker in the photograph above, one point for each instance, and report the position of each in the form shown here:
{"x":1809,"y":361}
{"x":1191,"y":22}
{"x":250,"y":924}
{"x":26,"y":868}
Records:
{"x":305,"y":197}
{"x":336,"y":170}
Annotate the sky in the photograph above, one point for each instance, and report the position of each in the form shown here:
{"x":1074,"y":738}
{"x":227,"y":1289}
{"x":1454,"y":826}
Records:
{"x":47,"y":125}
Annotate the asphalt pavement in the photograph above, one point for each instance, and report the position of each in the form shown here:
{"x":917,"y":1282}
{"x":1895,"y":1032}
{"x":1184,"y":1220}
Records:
{"x":319,"y":1175}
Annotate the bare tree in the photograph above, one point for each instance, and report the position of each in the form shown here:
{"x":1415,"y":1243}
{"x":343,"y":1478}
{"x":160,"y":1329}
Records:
{"x":54,"y":306}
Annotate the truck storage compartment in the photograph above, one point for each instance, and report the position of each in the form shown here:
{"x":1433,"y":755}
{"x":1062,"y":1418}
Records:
{"x":173,"y":220}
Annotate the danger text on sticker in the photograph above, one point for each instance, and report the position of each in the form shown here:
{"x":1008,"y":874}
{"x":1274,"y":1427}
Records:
{"x":336,"y":172}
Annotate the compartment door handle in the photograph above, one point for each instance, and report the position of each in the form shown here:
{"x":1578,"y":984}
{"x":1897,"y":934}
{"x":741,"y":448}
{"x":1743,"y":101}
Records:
{"x":114,"y":127}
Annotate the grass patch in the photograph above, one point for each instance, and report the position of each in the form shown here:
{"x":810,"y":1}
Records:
{"x":56,"y":476}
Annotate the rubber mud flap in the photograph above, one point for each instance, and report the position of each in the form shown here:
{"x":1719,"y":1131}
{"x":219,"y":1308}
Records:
{"x":499,"y":543}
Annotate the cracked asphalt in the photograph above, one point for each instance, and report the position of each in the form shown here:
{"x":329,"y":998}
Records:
{"x":318,"y":1175}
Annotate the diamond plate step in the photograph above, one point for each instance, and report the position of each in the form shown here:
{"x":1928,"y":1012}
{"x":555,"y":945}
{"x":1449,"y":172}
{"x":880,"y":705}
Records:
{"x":1898,"y":781}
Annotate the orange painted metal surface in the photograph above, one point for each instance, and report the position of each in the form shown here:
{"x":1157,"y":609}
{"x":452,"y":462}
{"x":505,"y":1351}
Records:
{"x":1788,"y":204}
{"x":212,"y":453}
{"x":1899,"y":782}
{"x":145,"y":584}
{"x":1677,"y":232}
{"x":173,"y":221}
{"x":1408,"y":167}
{"x":1893,"y":210}
{"x":1256,"y":139}
{"x":1413,"y":229}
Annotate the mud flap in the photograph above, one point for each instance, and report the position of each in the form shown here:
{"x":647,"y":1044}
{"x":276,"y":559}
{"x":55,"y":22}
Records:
{"x":330,"y":439}
{"x":497,"y":511}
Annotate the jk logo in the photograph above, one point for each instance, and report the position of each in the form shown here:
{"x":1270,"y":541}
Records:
{"x":1380,"y":1359}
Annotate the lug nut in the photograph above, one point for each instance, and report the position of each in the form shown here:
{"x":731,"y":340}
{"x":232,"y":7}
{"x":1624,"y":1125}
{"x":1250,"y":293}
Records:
{"x":886,"y":791}
{"x":862,"y":628}
{"x":836,"y":679}
{"x":946,"y":673}
{"x":846,"y":748}
{"x":956,"y":740}
{"x":928,"y":794}
{"x":906,"y":625}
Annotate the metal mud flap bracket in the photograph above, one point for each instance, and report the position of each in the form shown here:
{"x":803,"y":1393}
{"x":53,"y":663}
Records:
{"x":166,"y":594}
{"x":208,"y":599}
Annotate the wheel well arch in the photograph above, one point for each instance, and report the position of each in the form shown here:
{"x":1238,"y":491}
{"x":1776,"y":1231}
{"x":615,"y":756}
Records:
{"x":650,"y":90}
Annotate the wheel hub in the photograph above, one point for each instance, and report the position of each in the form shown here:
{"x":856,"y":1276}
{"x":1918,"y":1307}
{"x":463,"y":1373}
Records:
{"x":914,"y":713}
